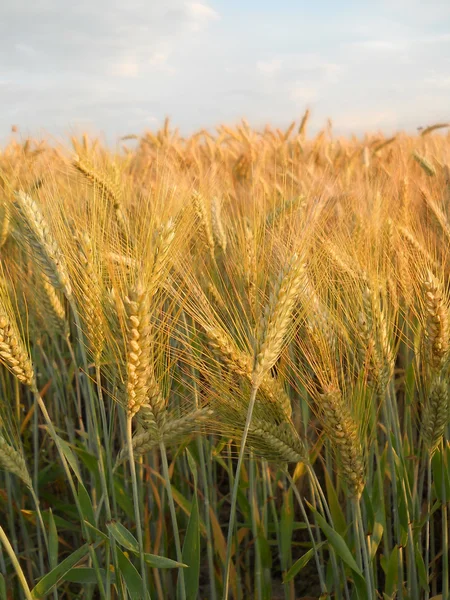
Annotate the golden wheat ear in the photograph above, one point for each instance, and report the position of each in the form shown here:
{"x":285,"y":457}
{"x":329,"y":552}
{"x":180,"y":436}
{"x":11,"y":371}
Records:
{"x":343,"y":433}
{"x":277,"y":316}
{"x":44,"y":247}
{"x":436,"y":329}
{"x":13,"y":353}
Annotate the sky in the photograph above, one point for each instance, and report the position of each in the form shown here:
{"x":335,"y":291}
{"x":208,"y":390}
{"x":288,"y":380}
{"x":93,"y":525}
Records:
{"x":117,"y":68}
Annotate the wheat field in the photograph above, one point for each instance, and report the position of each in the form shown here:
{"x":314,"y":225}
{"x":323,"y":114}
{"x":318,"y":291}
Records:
{"x":225,"y":366}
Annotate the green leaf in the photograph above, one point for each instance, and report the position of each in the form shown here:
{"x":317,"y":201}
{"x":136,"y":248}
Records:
{"x":421,"y":570}
{"x":128,"y":541}
{"x":375,"y":538}
{"x":337,"y":541}
{"x":185,"y":506}
{"x":123,"y":536}
{"x":334,"y":505}
{"x":86,"y":505}
{"x":85,"y":575}
{"x":132,"y":579}
{"x":123,"y":498}
{"x":89,"y":460}
{"x":193,"y":468}
{"x":391,"y":570}
{"x":161,"y":562}
{"x":97,"y":532}
{"x":191,"y":552}
{"x":56,"y":575}
{"x":264,"y":548}
{"x":343,"y":551}
{"x":301,"y":563}
{"x":441,"y":476}
{"x":70,"y":457}
{"x":52,"y":541}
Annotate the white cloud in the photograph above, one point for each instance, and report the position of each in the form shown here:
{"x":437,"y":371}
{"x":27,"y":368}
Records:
{"x":25,"y":49}
{"x":380,"y":45}
{"x":362,"y":120}
{"x":200,"y":15}
{"x":111,"y":63}
{"x":438,"y":38}
{"x":269,"y":67}
{"x":125,"y":68}
{"x":303,"y":93}
{"x":159,"y":62}
{"x":202,"y":11}
{"x":438,"y":81}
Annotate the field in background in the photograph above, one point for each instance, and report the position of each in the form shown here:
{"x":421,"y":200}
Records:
{"x":225,"y":367}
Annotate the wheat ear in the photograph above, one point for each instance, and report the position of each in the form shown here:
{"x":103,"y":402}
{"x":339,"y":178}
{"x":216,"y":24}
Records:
{"x":436,"y":329}
{"x":278,"y":443}
{"x":206,"y":233}
{"x":137,"y":310}
{"x":171,"y":432}
{"x":54,"y":308}
{"x":13,"y":353}
{"x":376,"y":347}
{"x":90,"y":290}
{"x":39,"y":237}
{"x":241,"y":364}
{"x":218,"y":229}
{"x":276,"y":318}
{"x":343,"y":433}
{"x":163,"y":249}
{"x":251,"y":265}
{"x":435,"y":416}
{"x":107,"y":188}
{"x":13,"y":462}
{"x":5,"y":219}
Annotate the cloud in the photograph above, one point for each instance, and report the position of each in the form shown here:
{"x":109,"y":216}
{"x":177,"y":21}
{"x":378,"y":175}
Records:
{"x":195,"y":15}
{"x":159,"y":62}
{"x":126,"y":68}
{"x":269,"y":67}
{"x":438,"y":81}
{"x":302,"y":93}
{"x":366,"y":120}
{"x":380,"y":45}
{"x":202,"y":11}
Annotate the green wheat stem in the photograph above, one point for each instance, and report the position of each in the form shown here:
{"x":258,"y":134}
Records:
{"x":136,"y":504}
{"x":173,"y":515}
{"x":234,"y":495}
